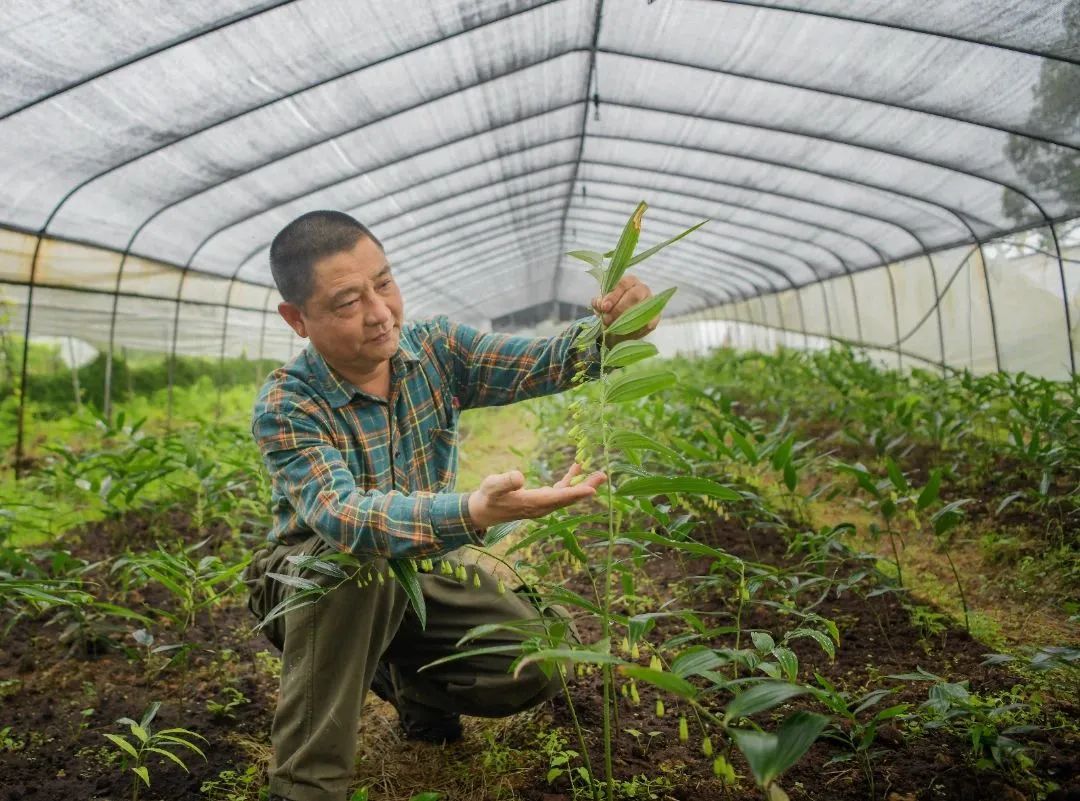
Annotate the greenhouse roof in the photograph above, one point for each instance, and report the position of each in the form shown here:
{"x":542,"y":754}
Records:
{"x":481,"y":140}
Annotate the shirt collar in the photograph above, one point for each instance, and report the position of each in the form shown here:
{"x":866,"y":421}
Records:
{"x":338,"y":391}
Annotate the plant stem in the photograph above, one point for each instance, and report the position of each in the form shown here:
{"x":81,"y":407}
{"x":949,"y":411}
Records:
{"x":960,"y":589}
{"x":896,"y":554}
{"x":580,"y":735}
{"x":609,"y":782}
{"x":738,"y":617}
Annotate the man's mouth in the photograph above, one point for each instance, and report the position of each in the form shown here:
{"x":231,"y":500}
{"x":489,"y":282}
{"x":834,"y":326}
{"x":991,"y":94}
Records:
{"x":383,"y":337}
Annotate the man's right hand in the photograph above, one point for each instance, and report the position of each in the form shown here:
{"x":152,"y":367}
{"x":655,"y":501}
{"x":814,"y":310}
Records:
{"x":502,"y":497}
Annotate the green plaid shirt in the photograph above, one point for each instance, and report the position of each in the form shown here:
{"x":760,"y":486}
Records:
{"x":375,"y":476}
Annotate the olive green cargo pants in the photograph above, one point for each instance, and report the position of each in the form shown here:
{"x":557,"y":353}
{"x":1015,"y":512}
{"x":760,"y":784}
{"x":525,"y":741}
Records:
{"x":330,"y":650}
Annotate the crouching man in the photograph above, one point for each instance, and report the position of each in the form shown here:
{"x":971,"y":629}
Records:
{"x":358,"y":433}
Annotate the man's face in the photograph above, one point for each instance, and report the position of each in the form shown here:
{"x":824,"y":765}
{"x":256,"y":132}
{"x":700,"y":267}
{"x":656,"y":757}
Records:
{"x":354,"y":314}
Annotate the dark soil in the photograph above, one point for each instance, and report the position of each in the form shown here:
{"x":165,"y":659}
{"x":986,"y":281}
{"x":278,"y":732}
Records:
{"x":877,"y":639}
{"x":58,"y":753}
{"x":54,"y":756}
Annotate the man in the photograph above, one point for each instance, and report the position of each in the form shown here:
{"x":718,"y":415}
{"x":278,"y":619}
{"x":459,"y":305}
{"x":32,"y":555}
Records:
{"x":358,"y":435}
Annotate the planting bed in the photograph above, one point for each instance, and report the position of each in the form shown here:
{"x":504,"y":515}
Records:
{"x":61,"y":753}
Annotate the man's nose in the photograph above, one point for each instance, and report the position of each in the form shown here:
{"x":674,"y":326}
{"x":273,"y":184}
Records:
{"x":378,"y":313}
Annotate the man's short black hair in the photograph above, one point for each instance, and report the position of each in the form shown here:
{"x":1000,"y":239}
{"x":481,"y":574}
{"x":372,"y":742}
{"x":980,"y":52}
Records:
{"x":305,"y":241}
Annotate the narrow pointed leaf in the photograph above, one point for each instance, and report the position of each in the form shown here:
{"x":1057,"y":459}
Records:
{"x":171,"y":756}
{"x":626,"y":353}
{"x":638,"y":385}
{"x":124,"y":744}
{"x":930,"y":491}
{"x":896,"y":475}
{"x":668,"y":682}
{"x":501,"y":531}
{"x":291,"y":604}
{"x":587,"y":335}
{"x":695,"y":661}
{"x":624,"y":251}
{"x":761,"y":697}
{"x":588,"y":256}
{"x":633,"y":441}
{"x":663,"y":485}
{"x":657,"y":248}
{"x":143,"y":774}
{"x":405,"y":572}
{"x":294,"y":581}
{"x":769,"y":755}
{"x":640,"y":314}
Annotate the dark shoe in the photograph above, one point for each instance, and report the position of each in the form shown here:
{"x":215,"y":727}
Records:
{"x":424,"y":724}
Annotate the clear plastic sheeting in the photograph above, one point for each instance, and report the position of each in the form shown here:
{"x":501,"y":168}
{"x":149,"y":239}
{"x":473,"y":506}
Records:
{"x":897,"y":176}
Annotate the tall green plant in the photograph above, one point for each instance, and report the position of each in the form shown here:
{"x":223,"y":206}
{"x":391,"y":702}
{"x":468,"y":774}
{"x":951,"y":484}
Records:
{"x":606,"y":442}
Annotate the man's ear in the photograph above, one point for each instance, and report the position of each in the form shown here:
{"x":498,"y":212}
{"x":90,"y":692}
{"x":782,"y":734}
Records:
{"x":294,"y":317}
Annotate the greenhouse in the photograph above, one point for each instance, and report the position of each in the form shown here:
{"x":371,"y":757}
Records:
{"x":555,"y":400}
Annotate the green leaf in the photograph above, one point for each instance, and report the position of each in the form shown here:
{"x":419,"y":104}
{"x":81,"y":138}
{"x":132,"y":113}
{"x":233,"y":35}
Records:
{"x":657,"y":248}
{"x":637,"y":385}
{"x":587,"y":334}
{"x":489,"y":649}
{"x":405,"y":572}
{"x":896,"y":475}
{"x":501,"y":531}
{"x":695,"y":661}
{"x":309,"y":562}
{"x":633,"y":441}
{"x":743,"y":444}
{"x":291,"y":604}
{"x":428,"y":796}
{"x":929,"y":493}
{"x":668,"y":682}
{"x":293,"y":581}
{"x":761,"y":697}
{"x":624,"y":251}
{"x":170,"y":755}
{"x":791,"y":479}
{"x":124,"y":744}
{"x":826,"y":644}
{"x":663,"y":485}
{"x":361,"y":794}
{"x":143,"y":774}
{"x":789,"y":662}
{"x":769,"y":755}
{"x":782,"y":455}
{"x":575,"y":656}
{"x":139,"y":732}
{"x":626,"y":353}
{"x":588,"y":256}
{"x":763,"y":641}
{"x":640,"y":314}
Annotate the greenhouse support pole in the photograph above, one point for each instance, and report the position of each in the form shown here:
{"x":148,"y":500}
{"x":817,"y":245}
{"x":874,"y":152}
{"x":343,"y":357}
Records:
{"x":224,"y":340}
{"x":990,"y":305}
{"x":24,"y":379}
{"x":172,"y":349}
{"x":74,"y":375}
{"x":262,"y":336}
{"x":1064,"y":297}
{"x":937,"y":310}
{"x":896,"y":318}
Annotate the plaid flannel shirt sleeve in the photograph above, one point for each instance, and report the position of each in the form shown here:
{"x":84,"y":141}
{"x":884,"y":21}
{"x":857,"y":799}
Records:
{"x":494,"y":369}
{"x":309,"y":472}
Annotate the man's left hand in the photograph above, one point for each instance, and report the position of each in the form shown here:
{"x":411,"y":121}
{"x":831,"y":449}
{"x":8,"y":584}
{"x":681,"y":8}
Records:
{"x":628,"y":292}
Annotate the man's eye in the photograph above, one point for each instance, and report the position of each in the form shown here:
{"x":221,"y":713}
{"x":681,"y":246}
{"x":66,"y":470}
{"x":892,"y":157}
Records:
{"x":384,"y":284}
{"x":348,"y":303}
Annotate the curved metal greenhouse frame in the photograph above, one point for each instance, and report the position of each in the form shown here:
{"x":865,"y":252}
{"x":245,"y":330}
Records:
{"x":900,"y":177}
